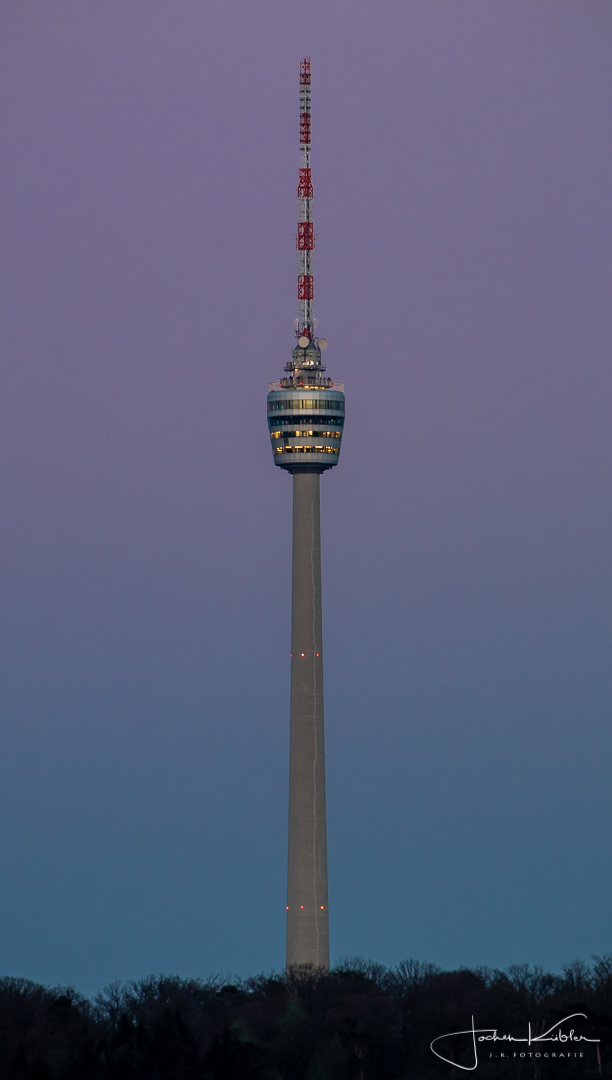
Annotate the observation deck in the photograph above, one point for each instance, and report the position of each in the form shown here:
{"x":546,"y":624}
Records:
{"x":306,"y":414}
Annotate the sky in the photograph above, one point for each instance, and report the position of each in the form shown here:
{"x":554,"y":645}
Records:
{"x":462,"y":164}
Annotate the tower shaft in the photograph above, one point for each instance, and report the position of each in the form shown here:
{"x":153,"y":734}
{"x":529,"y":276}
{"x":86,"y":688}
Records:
{"x":307,"y":914}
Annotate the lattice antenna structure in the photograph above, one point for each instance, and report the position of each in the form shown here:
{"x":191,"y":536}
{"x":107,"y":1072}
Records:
{"x":305,"y":240}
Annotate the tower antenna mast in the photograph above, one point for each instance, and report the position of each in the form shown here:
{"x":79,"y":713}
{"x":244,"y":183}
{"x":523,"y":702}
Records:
{"x":305,"y":240}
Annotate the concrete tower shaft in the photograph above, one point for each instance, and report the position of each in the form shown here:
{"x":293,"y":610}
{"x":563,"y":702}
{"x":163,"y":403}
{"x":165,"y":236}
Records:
{"x":307,"y":912}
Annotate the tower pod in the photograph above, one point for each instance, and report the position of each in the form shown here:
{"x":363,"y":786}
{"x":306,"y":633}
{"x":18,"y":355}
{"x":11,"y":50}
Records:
{"x":306,"y":415}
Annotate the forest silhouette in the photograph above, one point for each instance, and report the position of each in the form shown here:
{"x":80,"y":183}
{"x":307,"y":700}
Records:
{"x":359,"y":1021}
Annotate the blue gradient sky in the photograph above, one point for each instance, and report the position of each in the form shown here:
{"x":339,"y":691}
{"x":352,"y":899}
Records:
{"x":463,"y":170}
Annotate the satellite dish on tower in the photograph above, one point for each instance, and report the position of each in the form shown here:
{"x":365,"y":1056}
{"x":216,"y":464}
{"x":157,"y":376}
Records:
{"x":303,"y":341}
{"x":322,"y":342}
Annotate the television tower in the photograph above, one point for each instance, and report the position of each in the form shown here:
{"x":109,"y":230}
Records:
{"x":306,"y":419}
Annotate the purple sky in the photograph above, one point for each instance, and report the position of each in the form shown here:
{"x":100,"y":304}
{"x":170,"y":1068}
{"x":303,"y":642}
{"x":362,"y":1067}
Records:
{"x":463,"y":177}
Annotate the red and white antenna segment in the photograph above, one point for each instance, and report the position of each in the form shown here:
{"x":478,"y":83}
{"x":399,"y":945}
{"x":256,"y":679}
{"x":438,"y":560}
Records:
{"x":305,"y":241}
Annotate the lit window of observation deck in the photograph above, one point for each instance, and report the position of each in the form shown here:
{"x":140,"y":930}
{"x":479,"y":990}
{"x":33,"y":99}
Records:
{"x":306,"y":450}
{"x":306,"y":403}
{"x":306,"y":434}
{"x":289,"y":421}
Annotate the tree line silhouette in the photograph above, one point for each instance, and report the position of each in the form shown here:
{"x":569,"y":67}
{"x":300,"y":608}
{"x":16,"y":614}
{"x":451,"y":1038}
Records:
{"x":359,"y":1021}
